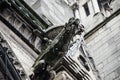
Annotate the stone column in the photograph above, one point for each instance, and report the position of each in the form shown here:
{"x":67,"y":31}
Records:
{"x":95,"y":6}
{"x":75,"y":8}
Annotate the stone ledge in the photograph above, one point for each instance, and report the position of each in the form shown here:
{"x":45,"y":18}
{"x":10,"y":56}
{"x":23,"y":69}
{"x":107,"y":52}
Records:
{"x":102,"y":24}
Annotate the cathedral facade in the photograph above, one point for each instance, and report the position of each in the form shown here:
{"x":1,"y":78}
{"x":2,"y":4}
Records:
{"x":59,"y":39}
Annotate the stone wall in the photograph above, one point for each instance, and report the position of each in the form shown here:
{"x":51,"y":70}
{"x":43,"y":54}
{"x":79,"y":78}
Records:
{"x":56,"y":11}
{"x":104,"y":46}
{"x":23,"y":52}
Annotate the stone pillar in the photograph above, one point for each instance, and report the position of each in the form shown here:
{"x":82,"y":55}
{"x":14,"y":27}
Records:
{"x":95,"y":5}
{"x":75,"y":8}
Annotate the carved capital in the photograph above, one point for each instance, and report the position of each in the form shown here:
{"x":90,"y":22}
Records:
{"x":75,"y":6}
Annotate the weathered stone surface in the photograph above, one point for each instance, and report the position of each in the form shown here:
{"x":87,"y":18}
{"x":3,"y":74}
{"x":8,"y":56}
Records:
{"x":23,"y":52}
{"x":106,"y":48}
{"x":53,"y":10}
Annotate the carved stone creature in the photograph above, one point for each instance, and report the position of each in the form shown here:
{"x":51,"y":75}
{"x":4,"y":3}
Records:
{"x":56,"y":50}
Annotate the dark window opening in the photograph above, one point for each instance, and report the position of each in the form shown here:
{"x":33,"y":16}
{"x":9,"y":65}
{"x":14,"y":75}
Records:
{"x":99,"y":4}
{"x":83,"y":62}
{"x":105,"y":4}
{"x":86,"y":8}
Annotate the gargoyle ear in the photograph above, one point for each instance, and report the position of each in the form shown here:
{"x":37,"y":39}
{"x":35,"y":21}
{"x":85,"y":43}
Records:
{"x":77,"y":21}
{"x":71,"y":20}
